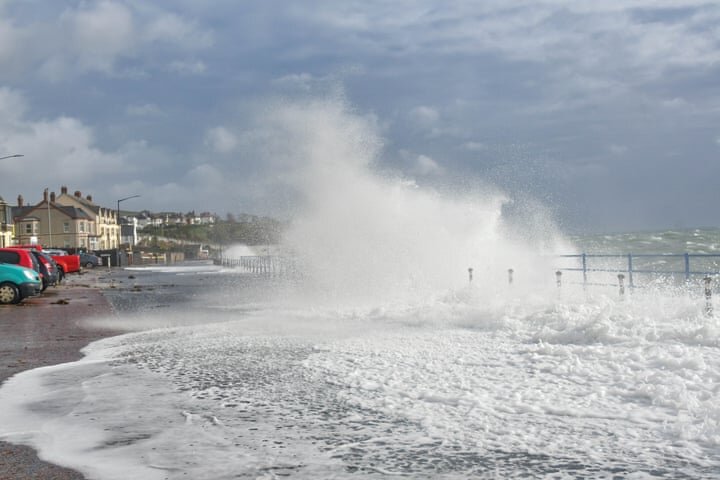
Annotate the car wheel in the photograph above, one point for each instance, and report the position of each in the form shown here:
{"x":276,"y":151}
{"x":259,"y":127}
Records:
{"x":61,"y":275}
{"x":89,"y":265}
{"x":9,"y":293}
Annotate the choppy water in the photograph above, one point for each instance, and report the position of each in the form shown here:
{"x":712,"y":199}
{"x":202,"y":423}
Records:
{"x":700,"y":240}
{"x":225,"y":378}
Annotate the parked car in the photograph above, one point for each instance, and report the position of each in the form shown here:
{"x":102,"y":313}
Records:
{"x":17,"y":283}
{"x":88,"y":260}
{"x":48,"y":268}
{"x":66,"y":263}
{"x":19,"y":256}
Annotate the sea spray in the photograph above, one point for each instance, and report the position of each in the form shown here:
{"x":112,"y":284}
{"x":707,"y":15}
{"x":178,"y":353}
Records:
{"x":363,"y":238}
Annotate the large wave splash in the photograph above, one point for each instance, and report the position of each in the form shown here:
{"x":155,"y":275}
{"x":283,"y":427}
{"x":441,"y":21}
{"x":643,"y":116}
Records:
{"x":363,"y":236}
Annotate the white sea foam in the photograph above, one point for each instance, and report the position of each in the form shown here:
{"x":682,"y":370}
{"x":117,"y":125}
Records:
{"x":453,"y":389}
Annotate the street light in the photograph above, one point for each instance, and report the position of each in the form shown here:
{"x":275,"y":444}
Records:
{"x":117,"y":256}
{"x":47,"y":199}
{"x":12,"y":156}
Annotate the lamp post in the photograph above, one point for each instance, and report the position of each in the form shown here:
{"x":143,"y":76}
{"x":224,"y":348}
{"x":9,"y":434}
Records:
{"x":47,"y":199}
{"x":119,"y":237}
{"x":12,"y":156}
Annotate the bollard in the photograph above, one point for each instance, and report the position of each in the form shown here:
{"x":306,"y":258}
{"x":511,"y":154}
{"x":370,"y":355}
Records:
{"x":621,"y":279}
{"x":708,"y":296}
{"x":558,"y":277}
{"x":470,"y":270}
{"x":510,"y":276}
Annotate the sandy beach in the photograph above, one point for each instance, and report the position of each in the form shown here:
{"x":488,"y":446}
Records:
{"x":46,"y":330}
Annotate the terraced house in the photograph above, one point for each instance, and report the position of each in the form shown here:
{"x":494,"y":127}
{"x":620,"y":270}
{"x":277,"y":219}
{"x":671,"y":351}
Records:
{"x":65,"y":221}
{"x":6,"y":224}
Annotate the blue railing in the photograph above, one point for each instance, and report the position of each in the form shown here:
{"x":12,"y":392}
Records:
{"x":630,"y":264}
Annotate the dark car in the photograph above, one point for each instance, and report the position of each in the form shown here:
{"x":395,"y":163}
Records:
{"x":48,"y":268}
{"x":89,"y":260}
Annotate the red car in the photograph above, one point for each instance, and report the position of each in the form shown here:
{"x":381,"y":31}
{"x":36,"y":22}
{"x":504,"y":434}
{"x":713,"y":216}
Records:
{"x":19,"y":256}
{"x":66,"y":263}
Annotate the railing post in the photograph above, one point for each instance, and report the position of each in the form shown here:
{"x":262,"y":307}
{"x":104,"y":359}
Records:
{"x":621,"y":279}
{"x":584,"y":265}
{"x":510,"y":276}
{"x":558,"y":278}
{"x":708,"y":296}
{"x":687,"y":267}
{"x":630,"y":271}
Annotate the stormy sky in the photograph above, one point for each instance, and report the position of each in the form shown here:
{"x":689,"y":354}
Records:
{"x":606,"y":112}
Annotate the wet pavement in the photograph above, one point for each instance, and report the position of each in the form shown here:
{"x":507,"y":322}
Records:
{"x":52,"y":328}
{"x":48,"y":330}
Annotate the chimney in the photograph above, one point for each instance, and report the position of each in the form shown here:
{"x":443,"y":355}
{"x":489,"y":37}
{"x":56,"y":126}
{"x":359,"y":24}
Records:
{"x":89,"y":198}
{"x":63,"y":190}
{"x":20,"y":201}
{"x":78,"y":194}
{"x":45,"y":196}
{"x":52,"y":197}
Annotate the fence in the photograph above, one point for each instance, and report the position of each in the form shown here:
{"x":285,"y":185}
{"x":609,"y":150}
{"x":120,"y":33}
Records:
{"x":644,"y":266}
{"x":260,"y":264}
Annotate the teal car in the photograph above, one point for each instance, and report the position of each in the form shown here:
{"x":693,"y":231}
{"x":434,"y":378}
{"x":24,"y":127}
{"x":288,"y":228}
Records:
{"x":17,"y":283}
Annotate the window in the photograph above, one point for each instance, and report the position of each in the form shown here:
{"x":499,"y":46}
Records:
{"x":82,"y":227}
{"x":28,"y":228}
{"x":9,"y":257}
{"x":66,"y":227}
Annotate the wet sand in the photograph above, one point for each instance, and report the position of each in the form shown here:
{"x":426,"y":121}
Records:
{"x":47,"y":330}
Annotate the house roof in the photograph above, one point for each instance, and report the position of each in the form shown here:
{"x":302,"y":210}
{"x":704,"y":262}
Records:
{"x":84,"y":202}
{"x":71,"y":212}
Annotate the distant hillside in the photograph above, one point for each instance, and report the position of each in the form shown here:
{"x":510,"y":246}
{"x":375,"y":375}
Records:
{"x":255,"y":231}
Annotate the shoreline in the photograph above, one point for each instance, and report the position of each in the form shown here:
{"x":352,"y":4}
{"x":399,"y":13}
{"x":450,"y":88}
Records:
{"x":48,"y":330}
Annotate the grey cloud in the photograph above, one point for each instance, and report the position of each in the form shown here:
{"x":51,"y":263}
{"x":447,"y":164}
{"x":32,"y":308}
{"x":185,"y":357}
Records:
{"x":579,"y":103}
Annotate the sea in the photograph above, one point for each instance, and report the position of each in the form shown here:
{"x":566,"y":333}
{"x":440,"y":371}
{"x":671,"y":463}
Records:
{"x":225,"y":373}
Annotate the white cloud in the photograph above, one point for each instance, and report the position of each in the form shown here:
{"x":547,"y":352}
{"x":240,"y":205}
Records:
{"x":99,"y":35}
{"x":221,"y":140}
{"x":427,"y":166}
{"x":618,"y":149}
{"x":295,"y":81}
{"x":63,"y":148}
{"x":146,"y":110}
{"x":424,"y":116}
{"x":420,"y":164}
{"x":188,"y":67}
{"x":12,"y":106}
{"x":174,"y":29}
{"x":96,"y":37}
{"x":474,"y":146}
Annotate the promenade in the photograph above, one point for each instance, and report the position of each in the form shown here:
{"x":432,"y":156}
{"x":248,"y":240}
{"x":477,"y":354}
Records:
{"x":48,"y":330}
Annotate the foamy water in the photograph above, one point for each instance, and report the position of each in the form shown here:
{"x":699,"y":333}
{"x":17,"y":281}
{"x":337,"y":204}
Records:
{"x":379,"y":357}
{"x":581,"y":386}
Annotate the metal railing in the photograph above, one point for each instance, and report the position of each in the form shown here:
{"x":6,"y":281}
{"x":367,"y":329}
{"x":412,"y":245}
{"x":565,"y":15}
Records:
{"x":690,"y":265}
{"x":259,"y":264}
